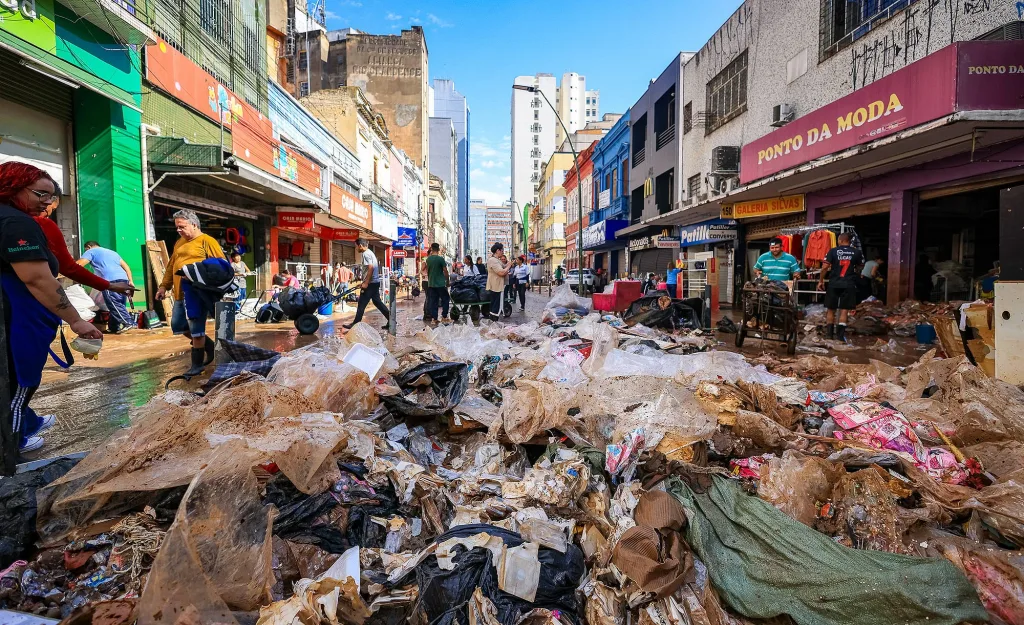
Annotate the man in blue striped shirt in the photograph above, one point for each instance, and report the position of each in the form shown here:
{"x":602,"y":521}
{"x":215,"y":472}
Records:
{"x":776,"y":264}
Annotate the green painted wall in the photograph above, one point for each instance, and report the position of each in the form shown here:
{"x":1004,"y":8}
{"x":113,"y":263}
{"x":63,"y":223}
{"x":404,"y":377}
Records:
{"x":174,"y":120}
{"x":108,"y":151}
{"x":82,"y":44}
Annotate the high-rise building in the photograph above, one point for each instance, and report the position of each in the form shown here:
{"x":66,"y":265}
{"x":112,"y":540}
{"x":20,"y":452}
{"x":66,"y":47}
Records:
{"x":477,"y":245}
{"x":592,"y":106}
{"x":499,"y":227}
{"x":533,"y":136}
{"x":392,"y":71}
{"x":574,"y":104}
{"x":448,"y":102}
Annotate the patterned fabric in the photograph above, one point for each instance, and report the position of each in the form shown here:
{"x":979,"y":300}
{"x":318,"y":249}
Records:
{"x":244,"y":358}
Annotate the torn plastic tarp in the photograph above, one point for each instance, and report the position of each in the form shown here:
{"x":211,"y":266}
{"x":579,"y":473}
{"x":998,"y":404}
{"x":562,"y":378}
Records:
{"x":764,"y":564}
{"x":445,"y":595}
{"x":693,"y":368}
{"x":429,"y":390}
{"x":661,"y":311}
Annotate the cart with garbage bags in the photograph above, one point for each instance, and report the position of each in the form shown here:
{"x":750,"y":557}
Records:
{"x":301,"y":305}
{"x":471,"y":300}
{"x":769,"y":313}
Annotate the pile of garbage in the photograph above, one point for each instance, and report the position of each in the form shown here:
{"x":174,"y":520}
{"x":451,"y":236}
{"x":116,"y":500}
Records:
{"x":557,"y":473}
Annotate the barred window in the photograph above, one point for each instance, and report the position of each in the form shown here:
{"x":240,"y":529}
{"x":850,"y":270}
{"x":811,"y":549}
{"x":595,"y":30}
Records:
{"x":215,"y":18}
{"x":727,"y":94}
{"x":845,"y":21}
{"x":692,"y":186}
{"x":688,"y":117}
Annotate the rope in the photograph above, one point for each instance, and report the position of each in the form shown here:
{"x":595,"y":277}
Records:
{"x":140,"y":539}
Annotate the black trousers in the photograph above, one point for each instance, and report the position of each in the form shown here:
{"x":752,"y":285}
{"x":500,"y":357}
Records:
{"x":495,"y":306}
{"x":521,"y":290}
{"x":437,"y":296}
{"x":371,"y":293}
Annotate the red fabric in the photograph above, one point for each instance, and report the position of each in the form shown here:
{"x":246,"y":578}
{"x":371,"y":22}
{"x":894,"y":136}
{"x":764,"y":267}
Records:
{"x":797,"y":246}
{"x":297,"y":248}
{"x":787,"y":242}
{"x":818,"y":245}
{"x":68,"y":266}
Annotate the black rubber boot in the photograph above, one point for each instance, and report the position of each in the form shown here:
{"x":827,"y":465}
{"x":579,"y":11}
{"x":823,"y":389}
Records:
{"x":209,"y":347}
{"x":841,"y":332}
{"x":197,"y":362}
{"x":830,"y":331}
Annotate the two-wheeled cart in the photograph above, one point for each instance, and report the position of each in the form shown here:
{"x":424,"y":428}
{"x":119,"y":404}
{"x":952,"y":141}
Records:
{"x":306,"y":321}
{"x":768,"y":314}
{"x":474,"y":310}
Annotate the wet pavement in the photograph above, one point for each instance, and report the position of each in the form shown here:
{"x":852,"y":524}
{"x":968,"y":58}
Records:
{"x":95,"y":398}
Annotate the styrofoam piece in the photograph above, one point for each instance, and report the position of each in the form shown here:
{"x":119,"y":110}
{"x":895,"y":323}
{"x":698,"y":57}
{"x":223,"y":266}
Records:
{"x":365,"y":359}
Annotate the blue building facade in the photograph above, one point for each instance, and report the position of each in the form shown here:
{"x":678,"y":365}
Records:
{"x":448,"y":102}
{"x":611,"y":186}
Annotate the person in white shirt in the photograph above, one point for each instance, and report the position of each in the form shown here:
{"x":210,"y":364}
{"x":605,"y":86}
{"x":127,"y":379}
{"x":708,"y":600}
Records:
{"x":468,"y":268}
{"x":521,"y":280}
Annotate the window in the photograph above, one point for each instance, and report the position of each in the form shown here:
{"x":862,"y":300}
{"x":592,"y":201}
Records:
{"x":664,"y":190}
{"x":625,"y":176}
{"x":639,"y":142}
{"x":665,"y":118}
{"x":215,"y":19}
{"x":688,"y":117}
{"x":596,"y":195}
{"x":536,"y":128}
{"x":303,"y":92}
{"x":536,"y":140}
{"x":727,"y":94}
{"x":303,"y":61}
{"x":692,"y":186}
{"x":536,"y":115}
{"x":636,"y":205}
{"x":845,"y":21}
{"x":615,"y":184}
{"x":536,"y":164}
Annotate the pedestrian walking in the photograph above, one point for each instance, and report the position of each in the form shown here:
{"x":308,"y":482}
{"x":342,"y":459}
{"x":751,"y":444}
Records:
{"x":521,"y":275}
{"x":35,"y":302}
{"x":192,"y":307}
{"x":241,"y":270}
{"x":109,"y":265}
{"x":842,"y":266}
{"x":559,"y":273}
{"x":497,"y":270}
{"x":370,"y":286}
{"x":438,"y":281}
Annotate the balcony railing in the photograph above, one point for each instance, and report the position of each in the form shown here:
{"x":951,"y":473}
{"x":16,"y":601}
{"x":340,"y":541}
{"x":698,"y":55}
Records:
{"x":125,"y":20}
{"x":666,"y":136}
{"x":639,"y":156}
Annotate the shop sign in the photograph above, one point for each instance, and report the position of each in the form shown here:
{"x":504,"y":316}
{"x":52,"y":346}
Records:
{"x":252,"y":133}
{"x":764,"y":208}
{"x":301,"y":221}
{"x":604,"y":198}
{"x":344,"y":234}
{"x":385,"y":223}
{"x":920,"y":92}
{"x":30,"y":20}
{"x":398,"y":254}
{"x":668,"y":242}
{"x":711,"y":231}
{"x":406,"y":237}
{"x":602,"y":232}
{"x":990,"y":74}
{"x":349,"y":208}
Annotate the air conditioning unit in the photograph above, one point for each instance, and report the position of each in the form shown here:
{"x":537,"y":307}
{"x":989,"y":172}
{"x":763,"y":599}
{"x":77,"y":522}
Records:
{"x":782,"y":114}
{"x":731,"y":184}
{"x":725,"y":160}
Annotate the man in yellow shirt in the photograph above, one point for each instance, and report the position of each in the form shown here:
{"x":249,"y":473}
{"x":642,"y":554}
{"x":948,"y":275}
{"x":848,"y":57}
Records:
{"x":191,"y":310}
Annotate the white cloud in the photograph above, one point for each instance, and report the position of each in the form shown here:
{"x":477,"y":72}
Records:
{"x":351,"y":3}
{"x":392,"y":17}
{"x":490,"y":196}
{"x":414,"y":20}
{"x":477,"y":173}
{"x":506,"y":179}
{"x":439,"y":22}
{"x":490,"y":164}
{"x":331,"y":15}
{"x":482,"y":149}
{"x":507,"y":138}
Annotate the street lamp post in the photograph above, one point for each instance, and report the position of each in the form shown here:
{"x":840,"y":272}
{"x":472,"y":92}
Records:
{"x":579,"y":183}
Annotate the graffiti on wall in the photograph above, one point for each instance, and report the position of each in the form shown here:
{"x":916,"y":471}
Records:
{"x":725,"y":45}
{"x":922,"y":28}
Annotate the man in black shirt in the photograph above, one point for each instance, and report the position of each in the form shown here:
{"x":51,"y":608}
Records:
{"x":842,"y":266}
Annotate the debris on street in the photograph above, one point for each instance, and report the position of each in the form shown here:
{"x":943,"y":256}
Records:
{"x":586,"y":469}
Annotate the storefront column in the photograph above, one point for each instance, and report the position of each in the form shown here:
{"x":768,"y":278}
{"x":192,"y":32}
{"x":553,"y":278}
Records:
{"x":325,"y":252}
{"x":274,"y":253}
{"x":902,"y":245}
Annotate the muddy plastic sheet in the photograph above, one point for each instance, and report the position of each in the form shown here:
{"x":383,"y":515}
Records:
{"x":428,"y":390}
{"x":798,"y":484}
{"x":764,"y":564}
{"x":532,"y":408}
{"x":169,"y":443}
{"x":217,"y":554}
{"x":337,"y":386}
{"x":997,"y":574}
{"x":692,"y":368}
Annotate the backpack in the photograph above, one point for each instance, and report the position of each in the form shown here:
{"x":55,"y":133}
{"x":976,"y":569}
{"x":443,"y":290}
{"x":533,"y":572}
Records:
{"x":270,"y":313}
{"x":213,"y":275}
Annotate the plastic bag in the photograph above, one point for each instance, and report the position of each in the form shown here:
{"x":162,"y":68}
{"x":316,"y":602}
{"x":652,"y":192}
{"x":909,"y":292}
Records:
{"x":429,"y":390}
{"x":534,"y":407}
{"x":84,"y":304}
{"x":796,"y":483}
{"x":564,"y":297}
{"x":337,"y":386}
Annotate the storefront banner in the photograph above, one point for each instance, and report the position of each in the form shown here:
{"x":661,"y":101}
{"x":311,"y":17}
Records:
{"x":602,"y":232}
{"x":252,"y":133}
{"x":668,"y":242}
{"x":920,"y":92}
{"x":295,"y":220}
{"x":406,"y":237}
{"x":385,"y":223}
{"x":990,"y":74}
{"x":711,"y":231}
{"x":344,"y":234}
{"x":764,"y":208}
{"x":349,"y":208}
{"x":651,"y":242}
{"x":31,"y":21}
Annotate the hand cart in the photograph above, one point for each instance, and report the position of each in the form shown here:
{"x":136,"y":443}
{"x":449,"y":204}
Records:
{"x":769,"y":314}
{"x":308,"y":323}
{"x":474,"y":310}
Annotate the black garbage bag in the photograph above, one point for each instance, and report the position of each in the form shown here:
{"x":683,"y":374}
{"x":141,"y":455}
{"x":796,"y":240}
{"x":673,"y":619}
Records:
{"x":727,"y":325}
{"x":448,"y":382}
{"x":444,"y":595}
{"x":464,"y":293}
{"x":296,"y":302}
{"x":18,"y":507}
{"x":661,"y":311}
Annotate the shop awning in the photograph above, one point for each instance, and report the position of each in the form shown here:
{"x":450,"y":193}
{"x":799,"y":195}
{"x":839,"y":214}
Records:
{"x":61,"y":70}
{"x":275,"y":190}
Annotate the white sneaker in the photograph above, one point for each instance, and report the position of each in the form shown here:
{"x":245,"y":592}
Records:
{"x":33,"y":443}
{"x":48,"y":422}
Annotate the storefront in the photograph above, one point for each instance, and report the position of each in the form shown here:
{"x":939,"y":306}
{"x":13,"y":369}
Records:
{"x":653,"y":254}
{"x":352,"y":214}
{"x":608,"y":251}
{"x":918,"y":163}
{"x":406,"y":243}
{"x":759,"y":221}
{"x":385,"y":233}
{"x":716,"y":237}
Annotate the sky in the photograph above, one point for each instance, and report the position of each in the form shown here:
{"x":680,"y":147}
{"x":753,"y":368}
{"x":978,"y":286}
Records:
{"x":484,"y":44}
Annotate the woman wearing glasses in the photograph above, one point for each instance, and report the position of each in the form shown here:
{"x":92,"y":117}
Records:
{"x":34,"y":302}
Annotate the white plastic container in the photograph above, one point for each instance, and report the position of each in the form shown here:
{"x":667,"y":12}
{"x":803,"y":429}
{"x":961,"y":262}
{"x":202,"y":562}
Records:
{"x":89,"y":347}
{"x":365,"y":359}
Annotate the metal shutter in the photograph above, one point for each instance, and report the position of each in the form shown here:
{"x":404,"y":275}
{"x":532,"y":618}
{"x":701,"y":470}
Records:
{"x":29,"y":88}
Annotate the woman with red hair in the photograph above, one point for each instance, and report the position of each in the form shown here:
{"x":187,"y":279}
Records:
{"x":34,"y":302}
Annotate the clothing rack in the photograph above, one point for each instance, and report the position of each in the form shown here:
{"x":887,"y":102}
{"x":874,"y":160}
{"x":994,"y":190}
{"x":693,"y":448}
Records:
{"x":840,"y":228}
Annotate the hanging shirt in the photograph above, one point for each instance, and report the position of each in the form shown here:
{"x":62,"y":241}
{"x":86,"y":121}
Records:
{"x":818,"y":244}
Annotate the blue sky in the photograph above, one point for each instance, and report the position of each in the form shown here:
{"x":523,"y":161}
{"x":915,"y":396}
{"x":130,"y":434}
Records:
{"x":484,"y":44}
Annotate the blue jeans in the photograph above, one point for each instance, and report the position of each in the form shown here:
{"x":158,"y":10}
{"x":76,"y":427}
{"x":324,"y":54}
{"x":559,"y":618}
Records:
{"x":119,"y":315}
{"x":190,"y":313}
{"x":240,"y":300}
